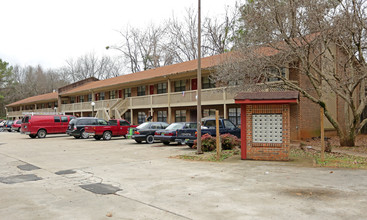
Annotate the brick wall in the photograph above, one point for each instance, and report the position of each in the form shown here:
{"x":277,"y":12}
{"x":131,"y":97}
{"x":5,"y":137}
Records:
{"x":267,"y":151}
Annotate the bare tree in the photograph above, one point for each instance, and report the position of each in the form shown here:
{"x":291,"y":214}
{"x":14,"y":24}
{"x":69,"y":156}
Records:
{"x":324,"y":41}
{"x":90,"y":65}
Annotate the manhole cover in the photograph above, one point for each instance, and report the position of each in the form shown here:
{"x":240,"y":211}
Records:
{"x":19,"y":179}
{"x":100,"y":188}
{"x":28,"y":167}
{"x":64,"y":172}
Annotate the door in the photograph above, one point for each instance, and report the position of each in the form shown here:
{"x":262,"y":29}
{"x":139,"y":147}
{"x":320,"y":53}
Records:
{"x":194,"y":84}
{"x":57,"y":126}
{"x":151,"y":88}
{"x":120,"y":93}
{"x":193,"y":115}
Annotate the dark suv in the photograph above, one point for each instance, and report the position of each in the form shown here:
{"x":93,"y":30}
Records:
{"x":76,"y":126}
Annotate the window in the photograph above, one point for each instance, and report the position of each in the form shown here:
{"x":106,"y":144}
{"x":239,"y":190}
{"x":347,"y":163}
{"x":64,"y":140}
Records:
{"x":127,"y":93}
{"x":56,"y":119}
{"x":271,"y":72}
{"x":141,"y":90}
{"x":229,"y":124}
{"x":208,"y":112}
{"x":124,"y":123}
{"x":89,"y":97}
{"x":162,"y":88}
{"x":141,"y":117}
{"x":72,"y":100}
{"x":49,"y":105}
{"x":102,"y":122}
{"x":156,"y":126}
{"x":207,"y":83}
{"x":212,"y":123}
{"x":180,"y":116}
{"x":180,"y":86}
{"x":112,"y":122}
{"x":42,"y":105}
{"x":162,"y":116}
{"x":64,"y":119}
{"x":81,"y":98}
{"x":234,"y":115}
{"x":127,"y":116}
{"x":113,"y":94}
{"x":101,"y":96}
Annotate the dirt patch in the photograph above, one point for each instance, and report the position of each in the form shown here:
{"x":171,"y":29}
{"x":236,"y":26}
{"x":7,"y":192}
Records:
{"x":313,"y":193}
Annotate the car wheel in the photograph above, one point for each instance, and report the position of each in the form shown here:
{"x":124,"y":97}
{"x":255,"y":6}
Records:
{"x":107,"y":135}
{"x":190,"y":145}
{"x":18,"y":129}
{"x":41,"y":133}
{"x":76,"y":137}
{"x":124,"y":136}
{"x":165,"y":143}
{"x":9,"y":130}
{"x":137,"y":141}
{"x":32,"y":136}
{"x":84,"y":135}
{"x":97,"y":137}
{"x":150,"y":139}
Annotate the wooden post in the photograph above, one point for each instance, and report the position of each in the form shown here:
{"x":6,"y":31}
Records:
{"x":322,"y":134}
{"x":217,"y":134}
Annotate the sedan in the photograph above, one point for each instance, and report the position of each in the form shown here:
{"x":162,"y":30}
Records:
{"x":145,"y":132}
{"x":168,"y":135}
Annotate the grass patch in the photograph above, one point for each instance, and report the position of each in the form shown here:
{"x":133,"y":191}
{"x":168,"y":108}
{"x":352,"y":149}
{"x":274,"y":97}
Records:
{"x":334,"y":160}
{"x":209,"y":156}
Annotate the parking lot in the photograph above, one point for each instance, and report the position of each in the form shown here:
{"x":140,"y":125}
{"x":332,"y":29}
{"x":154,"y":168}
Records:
{"x":60,"y":177}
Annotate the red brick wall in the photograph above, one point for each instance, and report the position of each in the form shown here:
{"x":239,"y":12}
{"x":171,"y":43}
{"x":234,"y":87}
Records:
{"x":265,"y":151}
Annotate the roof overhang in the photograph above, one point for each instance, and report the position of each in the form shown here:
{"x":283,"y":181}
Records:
{"x":283,"y":97}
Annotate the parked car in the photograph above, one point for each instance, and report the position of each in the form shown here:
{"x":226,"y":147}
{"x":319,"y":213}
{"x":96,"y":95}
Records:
{"x":41,"y":125}
{"x":115,"y":128}
{"x":188,"y":136}
{"x":168,"y":135}
{"x":145,"y":132}
{"x":17,"y":125}
{"x":2,"y":123}
{"x":76,"y":126}
{"x":8,"y":125}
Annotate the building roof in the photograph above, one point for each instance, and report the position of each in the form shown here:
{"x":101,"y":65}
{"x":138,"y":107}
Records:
{"x":173,"y":69}
{"x":34,"y":99}
{"x":282,"y":95}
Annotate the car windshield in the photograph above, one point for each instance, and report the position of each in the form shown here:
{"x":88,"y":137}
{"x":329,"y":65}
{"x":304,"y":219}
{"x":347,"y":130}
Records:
{"x":19,"y":122}
{"x":174,"y":126}
{"x":145,"y":125}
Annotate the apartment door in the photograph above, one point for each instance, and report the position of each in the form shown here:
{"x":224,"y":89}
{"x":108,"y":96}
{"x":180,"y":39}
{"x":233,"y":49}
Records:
{"x":120,"y":93}
{"x":194,"y":84}
{"x":193,"y":115}
{"x":151,"y":88}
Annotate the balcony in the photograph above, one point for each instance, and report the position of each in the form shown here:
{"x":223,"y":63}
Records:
{"x":42,"y":111}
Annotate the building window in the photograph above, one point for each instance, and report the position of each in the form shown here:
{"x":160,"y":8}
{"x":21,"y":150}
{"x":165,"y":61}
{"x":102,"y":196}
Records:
{"x":42,"y":105}
{"x":81,"y":98}
{"x":141,"y":117}
{"x":180,"y":86}
{"x":271,"y":72}
{"x":207,"y":83}
{"x":113,"y":94}
{"x":72,"y":100}
{"x":127,"y":116}
{"x":49,"y":105}
{"x":101,"y":96}
{"x":208,"y":112}
{"x":89,"y":97}
{"x":127,"y":93}
{"x":180,"y":116}
{"x":162,"y":88}
{"x":234,"y":115}
{"x":141,"y":90}
{"x":162,"y":116}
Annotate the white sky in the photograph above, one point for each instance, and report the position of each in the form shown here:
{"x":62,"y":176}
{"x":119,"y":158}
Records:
{"x":47,"y":32}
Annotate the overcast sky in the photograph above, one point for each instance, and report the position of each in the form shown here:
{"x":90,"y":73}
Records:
{"x":47,"y":32}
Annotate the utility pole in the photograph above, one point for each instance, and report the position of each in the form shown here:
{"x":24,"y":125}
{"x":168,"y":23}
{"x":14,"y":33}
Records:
{"x":198,"y":149}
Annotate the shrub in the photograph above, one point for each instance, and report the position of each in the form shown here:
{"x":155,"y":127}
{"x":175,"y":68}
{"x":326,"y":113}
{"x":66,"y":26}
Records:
{"x":229,"y":141}
{"x":207,"y":143}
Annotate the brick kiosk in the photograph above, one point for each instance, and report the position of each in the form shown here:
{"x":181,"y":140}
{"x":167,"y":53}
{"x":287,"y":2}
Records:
{"x":265,"y":124}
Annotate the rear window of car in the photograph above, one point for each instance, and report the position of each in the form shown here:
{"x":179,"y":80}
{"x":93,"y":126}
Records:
{"x":87,"y":122}
{"x":145,"y":125}
{"x":112,"y":122}
{"x":19,"y":122}
{"x":124,"y":123}
{"x":102,"y":122}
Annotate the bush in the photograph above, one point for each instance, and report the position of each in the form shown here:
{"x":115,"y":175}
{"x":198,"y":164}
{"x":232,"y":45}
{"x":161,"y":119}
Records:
{"x":208,"y":143}
{"x":229,"y":142}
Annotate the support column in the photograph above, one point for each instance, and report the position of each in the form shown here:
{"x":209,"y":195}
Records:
{"x":243,"y":133}
{"x":169,"y":101}
{"x":131,"y":116}
{"x":59,"y":105}
{"x":225,"y":105}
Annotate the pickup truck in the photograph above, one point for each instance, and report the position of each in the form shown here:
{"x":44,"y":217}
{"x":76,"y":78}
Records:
{"x":114,"y":128}
{"x":188,"y":136}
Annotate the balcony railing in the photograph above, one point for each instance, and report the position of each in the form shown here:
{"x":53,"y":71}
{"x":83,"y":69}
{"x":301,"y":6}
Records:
{"x":208,"y":96}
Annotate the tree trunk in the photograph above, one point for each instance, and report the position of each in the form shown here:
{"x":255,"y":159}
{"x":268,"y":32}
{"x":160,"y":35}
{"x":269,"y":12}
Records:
{"x":347,"y":141}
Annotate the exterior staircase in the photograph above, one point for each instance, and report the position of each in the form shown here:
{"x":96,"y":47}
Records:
{"x":119,"y":108}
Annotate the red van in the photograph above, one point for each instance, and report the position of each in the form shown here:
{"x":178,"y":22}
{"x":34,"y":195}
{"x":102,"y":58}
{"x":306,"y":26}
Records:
{"x":41,"y":125}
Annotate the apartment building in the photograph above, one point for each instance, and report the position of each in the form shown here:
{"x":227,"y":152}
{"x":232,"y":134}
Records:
{"x":167,"y":94}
